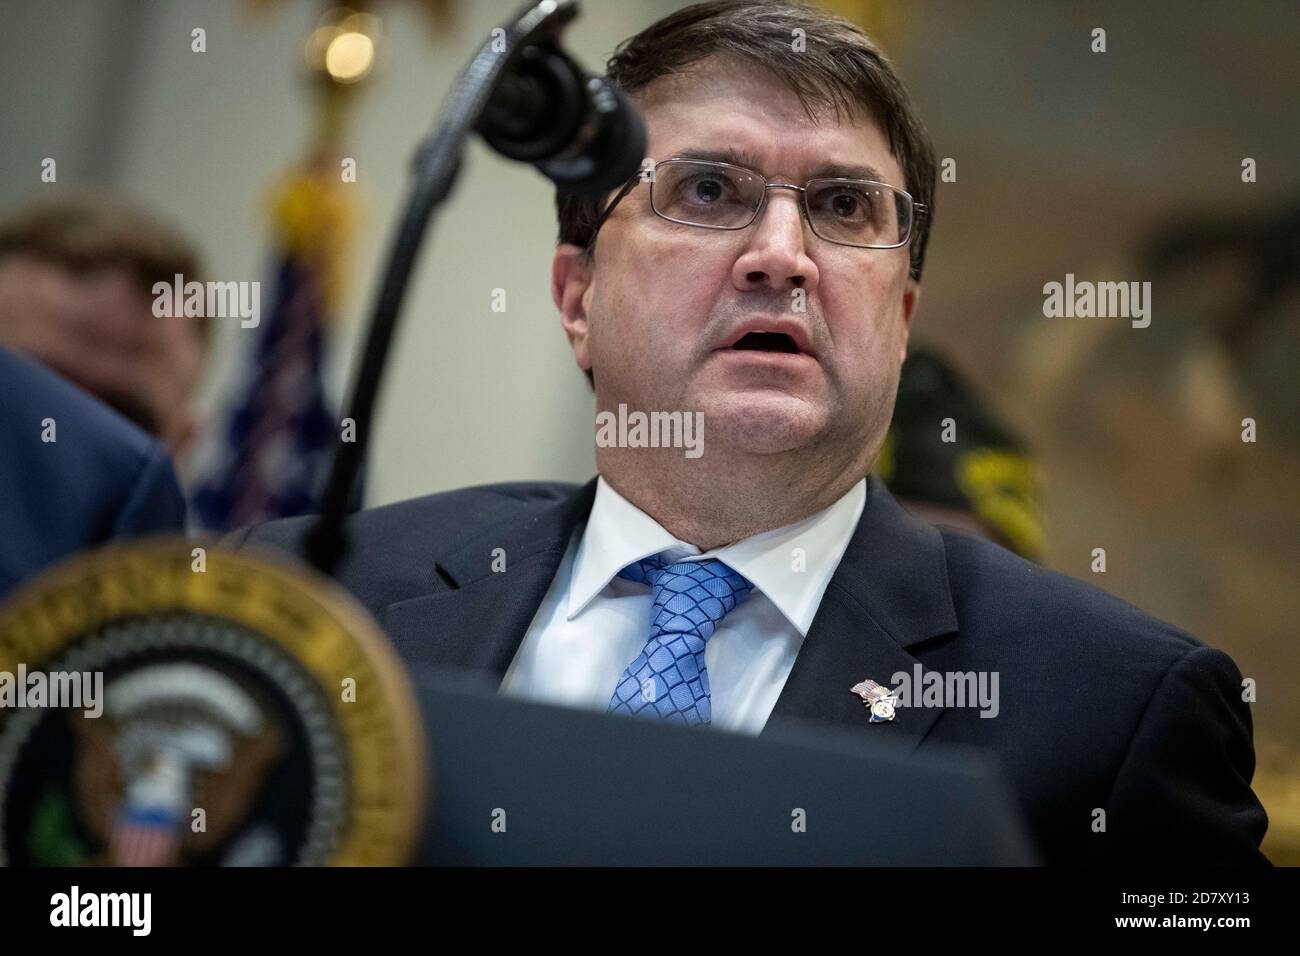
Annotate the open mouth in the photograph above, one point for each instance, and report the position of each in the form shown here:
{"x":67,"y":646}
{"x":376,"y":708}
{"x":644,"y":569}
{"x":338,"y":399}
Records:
{"x":767,"y":342}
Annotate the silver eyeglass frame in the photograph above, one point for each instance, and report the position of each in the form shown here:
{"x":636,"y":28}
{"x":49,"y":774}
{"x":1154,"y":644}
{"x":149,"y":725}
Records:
{"x":917,"y":209}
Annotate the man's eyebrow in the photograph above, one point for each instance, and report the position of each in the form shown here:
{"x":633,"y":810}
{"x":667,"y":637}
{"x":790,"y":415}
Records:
{"x":741,"y":157}
{"x":848,"y":171}
{"x":728,"y":154}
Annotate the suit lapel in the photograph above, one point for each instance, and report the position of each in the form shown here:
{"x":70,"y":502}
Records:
{"x":480,"y":620}
{"x":889,"y":593}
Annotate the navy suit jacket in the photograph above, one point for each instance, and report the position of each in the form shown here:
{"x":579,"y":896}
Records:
{"x":101,"y":478}
{"x":1102,"y":707}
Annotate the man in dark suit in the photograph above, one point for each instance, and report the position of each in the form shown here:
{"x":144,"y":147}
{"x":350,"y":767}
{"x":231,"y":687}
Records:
{"x":755,"y":289}
{"x":74,"y":473}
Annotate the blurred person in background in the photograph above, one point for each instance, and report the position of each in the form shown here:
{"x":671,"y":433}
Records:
{"x":95,"y":390}
{"x":74,"y":473}
{"x":76,"y":280}
{"x":949,"y":460}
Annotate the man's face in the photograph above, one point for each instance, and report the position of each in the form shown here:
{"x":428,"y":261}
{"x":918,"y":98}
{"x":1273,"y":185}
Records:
{"x":97,"y":328}
{"x":656,"y":312}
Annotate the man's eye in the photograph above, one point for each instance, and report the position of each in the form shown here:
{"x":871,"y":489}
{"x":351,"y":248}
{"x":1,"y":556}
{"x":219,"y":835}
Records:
{"x":706,"y":190}
{"x":847,"y":204}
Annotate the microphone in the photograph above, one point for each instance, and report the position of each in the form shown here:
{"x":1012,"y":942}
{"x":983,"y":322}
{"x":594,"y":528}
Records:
{"x":530,"y":102}
{"x":580,"y":131}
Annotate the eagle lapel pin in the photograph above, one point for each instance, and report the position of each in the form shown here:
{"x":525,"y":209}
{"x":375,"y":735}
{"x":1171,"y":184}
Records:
{"x":880,"y":699}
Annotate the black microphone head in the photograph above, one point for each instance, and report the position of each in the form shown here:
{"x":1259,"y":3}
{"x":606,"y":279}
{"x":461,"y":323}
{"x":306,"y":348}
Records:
{"x":582,"y":133}
{"x":538,"y":107}
{"x":615,"y":150}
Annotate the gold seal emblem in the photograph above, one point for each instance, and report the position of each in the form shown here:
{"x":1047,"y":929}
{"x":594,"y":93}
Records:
{"x":166,"y":702}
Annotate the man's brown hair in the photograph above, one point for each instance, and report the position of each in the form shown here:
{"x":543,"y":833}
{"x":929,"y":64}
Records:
{"x":85,"y":230}
{"x":840,"y":70}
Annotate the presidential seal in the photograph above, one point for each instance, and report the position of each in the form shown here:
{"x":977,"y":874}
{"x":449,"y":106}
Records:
{"x":168,"y":703}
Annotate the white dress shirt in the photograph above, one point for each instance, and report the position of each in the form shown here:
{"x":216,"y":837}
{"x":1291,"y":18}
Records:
{"x":592,"y":624}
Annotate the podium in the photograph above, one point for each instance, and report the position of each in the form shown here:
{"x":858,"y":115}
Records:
{"x":520,"y":783}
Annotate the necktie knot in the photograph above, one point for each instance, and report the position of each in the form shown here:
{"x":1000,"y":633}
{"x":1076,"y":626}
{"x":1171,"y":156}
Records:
{"x":689,"y":599}
{"x":689,"y":596}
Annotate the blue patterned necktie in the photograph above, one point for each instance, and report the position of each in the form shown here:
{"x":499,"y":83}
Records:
{"x":668,"y":679}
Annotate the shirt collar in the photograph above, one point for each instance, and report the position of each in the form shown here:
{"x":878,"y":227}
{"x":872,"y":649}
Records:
{"x":618,"y":533}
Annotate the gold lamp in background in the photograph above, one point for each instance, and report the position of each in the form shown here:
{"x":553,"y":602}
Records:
{"x":342,"y":46}
{"x":312,"y":205}
{"x":341,"y":52}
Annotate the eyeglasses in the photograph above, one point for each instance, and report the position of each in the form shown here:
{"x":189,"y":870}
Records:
{"x":847,"y":212}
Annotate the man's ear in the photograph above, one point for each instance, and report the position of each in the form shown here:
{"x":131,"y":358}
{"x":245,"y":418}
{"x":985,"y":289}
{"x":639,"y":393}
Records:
{"x":571,"y":283}
{"x":911,"y":297}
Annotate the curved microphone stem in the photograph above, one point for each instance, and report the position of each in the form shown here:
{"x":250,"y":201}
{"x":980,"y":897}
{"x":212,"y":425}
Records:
{"x":435,"y":166}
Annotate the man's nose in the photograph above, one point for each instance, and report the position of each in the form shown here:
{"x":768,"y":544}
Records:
{"x":775,"y":253}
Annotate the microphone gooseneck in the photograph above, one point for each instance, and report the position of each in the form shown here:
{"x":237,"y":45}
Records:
{"x":531,"y":103}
